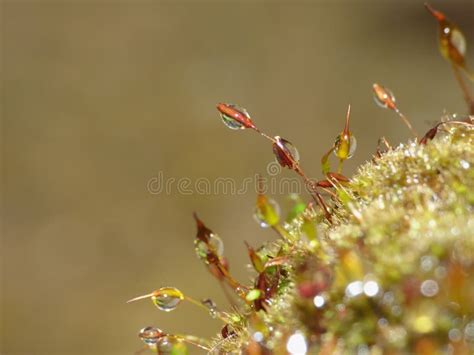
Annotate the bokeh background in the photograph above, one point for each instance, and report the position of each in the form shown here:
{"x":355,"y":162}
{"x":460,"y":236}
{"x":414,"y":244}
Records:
{"x":101,"y":96}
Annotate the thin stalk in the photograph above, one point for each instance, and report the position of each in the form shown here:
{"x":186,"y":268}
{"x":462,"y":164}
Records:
{"x":467,"y":94}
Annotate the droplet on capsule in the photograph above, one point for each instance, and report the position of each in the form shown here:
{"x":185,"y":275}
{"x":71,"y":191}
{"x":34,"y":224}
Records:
{"x":452,"y":43}
{"x":167,"y":298}
{"x":235,"y":117}
{"x":342,"y":152}
{"x":150,"y":335}
{"x":211,"y":306}
{"x":267,"y":211}
{"x":296,"y":344}
{"x":384,"y":97}
{"x":165,"y":345}
{"x":214,"y":245}
{"x":286,"y":153}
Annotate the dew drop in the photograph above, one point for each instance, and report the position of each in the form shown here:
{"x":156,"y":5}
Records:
{"x":341,"y":150}
{"x":296,"y":344}
{"x":354,"y":288}
{"x":465,"y":164}
{"x":285,"y":152}
{"x":429,"y":288}
{"x":211,"y":306}
{"x":371,"y":288}
{"x":214,"y":245}
{"x":167,"y":298}
{"x":267,"y":212}
{"x":234,"y":116}
{"x":150,"y":335}
{"x":383,"y":96}
{"x":427,"y":263}
{"x":258,"y":336}
{"x":455,"y":335}
{"x":458,"y":41}
{"x":319,"y":301}
{"x":469,"y":332}
{"x":165,"y":345}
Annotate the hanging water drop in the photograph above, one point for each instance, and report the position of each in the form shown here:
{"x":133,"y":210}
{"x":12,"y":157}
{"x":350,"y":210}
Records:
{"x":296,"y":344}
{"x":267,"y":212}
{"x":286,"y":153}
{"x":342,"y":150}
{"x":167,"y":298}
{"x":165,"y":345}
{"x":235,"y":117}
{"x":213,"y":246}
{"x":150,"y":335}
{"x":211,"y":306}
{"x":384,"y":97}
{"x":452,"y":43}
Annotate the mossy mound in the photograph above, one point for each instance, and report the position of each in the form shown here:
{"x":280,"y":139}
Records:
{"x":393,"y":273}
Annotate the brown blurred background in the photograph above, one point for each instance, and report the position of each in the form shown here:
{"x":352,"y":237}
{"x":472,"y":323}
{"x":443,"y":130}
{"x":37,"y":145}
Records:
{"x":100,"y":96}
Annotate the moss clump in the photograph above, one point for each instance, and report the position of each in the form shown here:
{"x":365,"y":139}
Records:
{"x":393,"y":273}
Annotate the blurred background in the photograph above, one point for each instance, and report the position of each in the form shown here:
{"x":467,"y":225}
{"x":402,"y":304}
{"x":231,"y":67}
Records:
{"x":99,"y":97}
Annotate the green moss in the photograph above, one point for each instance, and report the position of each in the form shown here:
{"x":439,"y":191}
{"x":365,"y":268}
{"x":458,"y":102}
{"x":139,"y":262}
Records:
{"x":396,"y":266}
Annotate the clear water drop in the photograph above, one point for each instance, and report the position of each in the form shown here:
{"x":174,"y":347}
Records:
{"x":429,"y":288}
{"x":319,"y":301}
{"x":165,"y":345}
{"x":211,"y":306}
{"x":458,"y":41}
{"x":352,"y":147}
{"x":354,"y":289}
{"x":214,"y":245}
{"x":383,"y":96}
{"x":285,"y":152}
{"x":232,"y":122}
{"x":267,"y":214}
{"x":371,"y":288}
{"x":296,"y":344}
{"x":150,"y":335}
{"x":167,"y":298}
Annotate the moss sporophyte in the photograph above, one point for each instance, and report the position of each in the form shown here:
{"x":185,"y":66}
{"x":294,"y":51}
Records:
{"x":380,"y":262}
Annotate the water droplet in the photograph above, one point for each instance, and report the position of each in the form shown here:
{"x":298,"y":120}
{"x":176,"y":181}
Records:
{"x":267,"y":212}
{"x":383,"y":97}
{"x":363,"y":349}
{"x":214,"y":245}
{"x":371,"y":288}
{"x":211,"y":306}
{"x":285,"y":152}
{"x":150,"y":335}
{"x":429,"y":288}
{"x":455,"y":335}
{"x":235,"y":117}
{"x":458,"y":41}
{"x":388,"y":298}
{"x":342,"y":150}
{"x":296,"y":344}
{"x":465,"y":164}
{"x":167,"y":298}
{"x":354,"y":288}
{"x":319,"y":301}
{"x":427,"y":262}
{"x":469,"y":332}
{"x":258,"y":336}
{"x":165,"y":345}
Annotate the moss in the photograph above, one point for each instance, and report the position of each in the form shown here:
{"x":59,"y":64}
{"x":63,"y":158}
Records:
{"x":395,"y":269}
